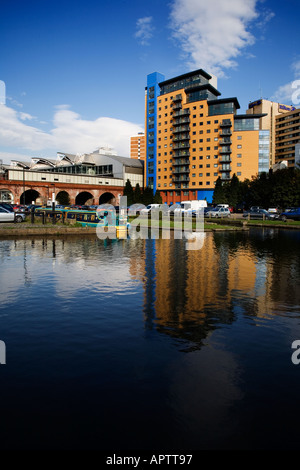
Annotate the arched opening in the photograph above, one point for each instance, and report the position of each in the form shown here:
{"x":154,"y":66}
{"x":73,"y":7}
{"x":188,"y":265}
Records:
{"x":107,"y":198}
{"x":29,"y":196}
{"x":84,"y":198}
{"x":6,"y":196}
{"x":63,"y":198}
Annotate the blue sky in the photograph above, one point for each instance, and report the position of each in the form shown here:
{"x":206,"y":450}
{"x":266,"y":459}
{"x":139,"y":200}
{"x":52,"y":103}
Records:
{"x":75,"y":71}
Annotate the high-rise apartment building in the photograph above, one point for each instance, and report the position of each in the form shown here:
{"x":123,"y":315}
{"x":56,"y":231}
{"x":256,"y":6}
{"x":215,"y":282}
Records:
{"x":193,"y":137}
{"x":287,"y":135}
{"x":271,"y":110}
{"x":137,"y":146}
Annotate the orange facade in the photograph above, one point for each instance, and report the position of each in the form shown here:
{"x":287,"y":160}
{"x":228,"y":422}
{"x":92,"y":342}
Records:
{"x":138,"y":147}
{"x":204,"y":150}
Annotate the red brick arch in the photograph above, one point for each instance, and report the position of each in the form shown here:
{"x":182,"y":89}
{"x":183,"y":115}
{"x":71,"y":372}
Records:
{"x":45,"y":189}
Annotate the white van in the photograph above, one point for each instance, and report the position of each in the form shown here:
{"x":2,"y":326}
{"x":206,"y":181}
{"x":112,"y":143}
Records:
{"x":150,"y":207}
{"x":192,"y":206}
{"x":226,"y":206}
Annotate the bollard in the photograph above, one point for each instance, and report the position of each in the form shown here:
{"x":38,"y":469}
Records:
{"x":32,"y":215}
{"x":43,"y":218}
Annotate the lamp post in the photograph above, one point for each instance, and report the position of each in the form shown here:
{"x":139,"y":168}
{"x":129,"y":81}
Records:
{"x":23,"y":186}
{"x":53,"y":208}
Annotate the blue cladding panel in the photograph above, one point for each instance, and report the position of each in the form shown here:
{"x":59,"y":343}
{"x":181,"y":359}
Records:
{"x":205,"y":194}
{"x":153,"y":79}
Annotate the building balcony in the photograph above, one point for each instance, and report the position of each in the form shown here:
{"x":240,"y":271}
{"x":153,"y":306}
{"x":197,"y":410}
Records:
{"x":178,"y":171}
{"x":225,"y":150}
{"x":225,"y":160}
{"x":225,"y":132}
{"x":181,"y":153}
{"x":226,"y":141}
{"x":181,"y":120}
{"x":226,"y":123}
{"x":180,"y":179}
{"x":177,"y":105}
{"x":183,"y":161}
{"x":225,"y":177}
{"x":183,"y":112}
{"x":177,"y":98}
{"x":181,"y":145}
{"x":228,"y":169}
{"x":178,"y":129}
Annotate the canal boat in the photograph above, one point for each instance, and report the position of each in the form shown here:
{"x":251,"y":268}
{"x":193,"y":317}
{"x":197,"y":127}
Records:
{"x":107,"y":217}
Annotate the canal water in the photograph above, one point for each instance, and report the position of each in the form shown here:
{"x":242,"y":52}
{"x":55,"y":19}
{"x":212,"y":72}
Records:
{"x":143,"y":344}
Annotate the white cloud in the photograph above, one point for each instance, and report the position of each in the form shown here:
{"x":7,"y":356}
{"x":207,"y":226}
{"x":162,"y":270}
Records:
{"x":287,"y":94}
{"x":144,"y":30}
{"x":25,"y":116}
{"x":70,"y":133}
{"x":212,"y":34}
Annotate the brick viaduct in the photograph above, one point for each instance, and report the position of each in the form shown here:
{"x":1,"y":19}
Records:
{"x":41,"y":192}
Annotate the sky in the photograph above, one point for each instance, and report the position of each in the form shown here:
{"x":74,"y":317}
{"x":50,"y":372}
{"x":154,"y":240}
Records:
{"x":73,"y":72}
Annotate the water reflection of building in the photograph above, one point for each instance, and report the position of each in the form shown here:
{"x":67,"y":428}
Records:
{"x":190,"y":293}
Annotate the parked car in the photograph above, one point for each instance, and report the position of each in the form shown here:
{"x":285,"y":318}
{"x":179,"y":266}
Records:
{"x":273,"y":210}
{"x":293,"y":214}
{"x":218,"y":212}
{"x":259,"y":214}
{"x":11,"y":216}
{"x":32,"y":207}
{"x":7,"y":206}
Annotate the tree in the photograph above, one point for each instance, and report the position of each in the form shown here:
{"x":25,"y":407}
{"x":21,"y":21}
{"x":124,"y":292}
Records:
{"x":234,"y":191}
{"x":219,"y":193}
{"x":137,"y":193}
{"x":147,"y":196}
{"x":129,"y":193}
{"x":157,"y":198}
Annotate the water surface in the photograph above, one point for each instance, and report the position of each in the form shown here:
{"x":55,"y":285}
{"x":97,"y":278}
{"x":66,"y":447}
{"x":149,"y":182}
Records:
{"x":142,"y":344}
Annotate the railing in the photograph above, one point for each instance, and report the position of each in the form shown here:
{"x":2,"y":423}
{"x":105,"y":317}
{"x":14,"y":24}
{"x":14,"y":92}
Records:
{"x":181,"y":162}
{"x":181,"y":180}
{"x":225,"y":150}
{"x":225,"y":132}
{"x":226,"y":123}
{"x":225,"y":169}
{"x":181,"y":129}
{"x":179,"y":171}
{"x":181,"y":145}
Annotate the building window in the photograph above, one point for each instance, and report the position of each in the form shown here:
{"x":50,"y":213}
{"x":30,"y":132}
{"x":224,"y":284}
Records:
{"x":239,"y":146}
{"x":200,"y":166}
{"x":239,"y":155}
{"x":208,"y":165}
{"x":239,"y":137}
{"x":239,"y":173}
{"x":200,"y":174}
{"x":207,"y":174}
{"x":238,"y":164}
